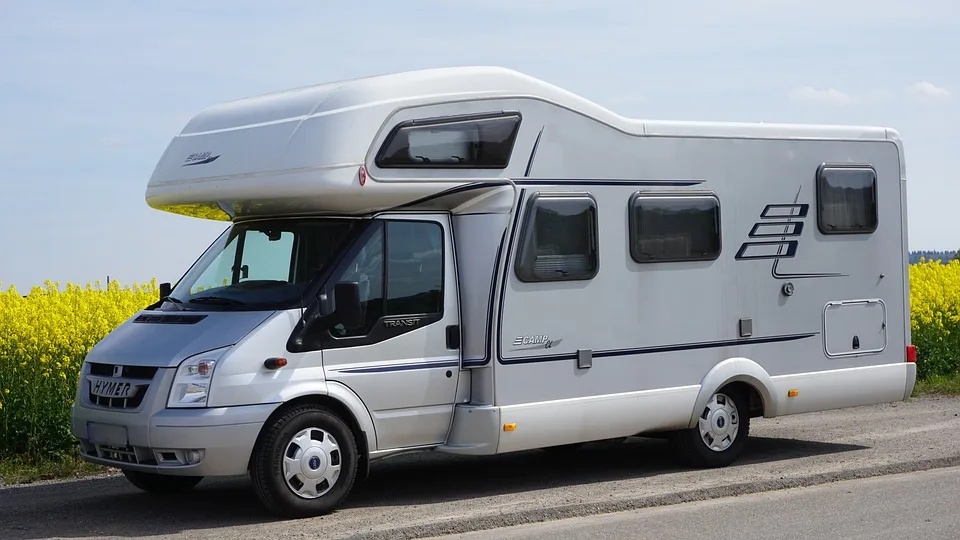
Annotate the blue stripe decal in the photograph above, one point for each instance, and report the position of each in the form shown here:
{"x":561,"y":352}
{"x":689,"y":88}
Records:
{"x":662,"y":348}
{"x":474,"y":362}
{"x":403,"y":367}
{"x":605,"y":182}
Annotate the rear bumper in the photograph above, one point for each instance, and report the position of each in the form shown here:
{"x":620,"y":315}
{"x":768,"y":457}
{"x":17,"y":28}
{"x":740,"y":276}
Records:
{"x":911,"y":380}
{"x":200,"y":442}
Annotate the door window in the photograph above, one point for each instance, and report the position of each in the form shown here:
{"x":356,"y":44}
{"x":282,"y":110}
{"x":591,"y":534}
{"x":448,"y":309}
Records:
{"x":408,"y":281}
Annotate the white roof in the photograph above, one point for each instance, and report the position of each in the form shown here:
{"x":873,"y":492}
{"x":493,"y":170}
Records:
{"x":300,"y":150}
{"x":477,"y":81}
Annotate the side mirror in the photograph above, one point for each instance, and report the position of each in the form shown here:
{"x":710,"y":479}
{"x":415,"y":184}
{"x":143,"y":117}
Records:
{"x":346,"y":298}
{"x":165,"y":289}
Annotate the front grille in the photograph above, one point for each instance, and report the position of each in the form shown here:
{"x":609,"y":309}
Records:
{"x":121,"y":454}
{"x":118,"y":454}
{"x":129,"y":372}
{"x":131,"y":402}
{"x":136,"y":375}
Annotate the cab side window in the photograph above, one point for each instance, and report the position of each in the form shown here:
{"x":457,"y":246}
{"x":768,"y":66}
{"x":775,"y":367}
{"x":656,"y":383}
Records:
{"x":366,"y":269}
{"x":414,"y":268}
{"x":400,"y":272}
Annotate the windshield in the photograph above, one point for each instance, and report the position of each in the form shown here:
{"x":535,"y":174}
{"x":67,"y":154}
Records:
{"x":262,"y":264}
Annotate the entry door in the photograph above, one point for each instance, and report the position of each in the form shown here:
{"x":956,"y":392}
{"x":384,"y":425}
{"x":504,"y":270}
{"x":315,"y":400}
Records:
{"x":404,"y":363}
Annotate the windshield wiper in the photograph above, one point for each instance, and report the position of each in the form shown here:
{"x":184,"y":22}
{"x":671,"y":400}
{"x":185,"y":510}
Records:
{"x":178,"y":302}
{"x":219,"y":300}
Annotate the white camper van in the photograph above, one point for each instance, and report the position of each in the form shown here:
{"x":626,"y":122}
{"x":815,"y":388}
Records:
{"x":474,"y":261}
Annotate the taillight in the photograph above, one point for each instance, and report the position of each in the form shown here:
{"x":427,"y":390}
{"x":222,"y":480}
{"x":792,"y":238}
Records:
{"x":911,"y":353}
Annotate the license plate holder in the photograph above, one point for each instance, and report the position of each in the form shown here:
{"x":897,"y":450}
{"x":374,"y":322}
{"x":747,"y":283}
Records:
{"x":107,"y":434}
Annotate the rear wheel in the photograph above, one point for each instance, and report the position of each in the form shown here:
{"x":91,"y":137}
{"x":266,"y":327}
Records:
{"x":721,"y":432}
{"x":161,"y":484}
{"x":306,"y":463}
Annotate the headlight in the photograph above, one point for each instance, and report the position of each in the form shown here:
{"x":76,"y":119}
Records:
{"x":191,"y":386}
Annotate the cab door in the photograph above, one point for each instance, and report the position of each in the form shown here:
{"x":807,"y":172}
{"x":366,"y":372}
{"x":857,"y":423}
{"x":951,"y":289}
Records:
{"x":404,"y":363}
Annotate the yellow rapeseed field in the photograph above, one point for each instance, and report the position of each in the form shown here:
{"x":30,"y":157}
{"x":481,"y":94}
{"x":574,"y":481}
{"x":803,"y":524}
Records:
{"x":43,"y":340}
{"x":45,"y":335}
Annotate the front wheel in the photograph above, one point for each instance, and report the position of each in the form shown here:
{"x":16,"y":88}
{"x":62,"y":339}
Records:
{"x":306,"y":463}
{"x":161,"y":484}
{"x":722,"y":430}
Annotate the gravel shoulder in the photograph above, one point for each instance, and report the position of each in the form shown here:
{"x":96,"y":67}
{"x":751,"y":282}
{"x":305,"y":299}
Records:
{"x":424,"y":495}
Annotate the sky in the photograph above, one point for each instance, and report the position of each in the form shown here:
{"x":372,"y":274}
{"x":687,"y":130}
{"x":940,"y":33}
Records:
{"x":92,"y":92}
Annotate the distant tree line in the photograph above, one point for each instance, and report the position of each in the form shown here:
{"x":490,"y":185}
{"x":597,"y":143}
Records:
{"x":942,"y":256}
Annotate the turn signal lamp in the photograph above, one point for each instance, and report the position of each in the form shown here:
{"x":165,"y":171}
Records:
{"x":274,"y":363}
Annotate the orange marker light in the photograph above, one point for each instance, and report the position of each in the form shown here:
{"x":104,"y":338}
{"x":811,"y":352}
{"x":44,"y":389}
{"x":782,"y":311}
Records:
{"x":792,"y":392}
{"x":274,"y":363}
{"x":509,"y":427}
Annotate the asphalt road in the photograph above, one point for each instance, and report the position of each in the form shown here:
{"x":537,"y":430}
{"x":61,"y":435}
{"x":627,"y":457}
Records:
{"x":424,"y":495}
{"x":912,"y":505}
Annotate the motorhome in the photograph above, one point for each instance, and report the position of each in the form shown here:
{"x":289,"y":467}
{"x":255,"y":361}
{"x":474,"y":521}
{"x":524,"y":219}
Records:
{"x":474,"y":261}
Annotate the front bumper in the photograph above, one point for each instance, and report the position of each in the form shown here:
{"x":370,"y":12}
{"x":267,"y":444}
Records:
{"x":200,"y":442}
{"x":148,"y":437}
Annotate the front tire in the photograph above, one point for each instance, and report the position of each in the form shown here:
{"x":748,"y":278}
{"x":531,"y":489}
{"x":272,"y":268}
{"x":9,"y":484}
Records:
{"x":161,"y":484}
{"x":721,"y":432}
{"x":306,"y":463}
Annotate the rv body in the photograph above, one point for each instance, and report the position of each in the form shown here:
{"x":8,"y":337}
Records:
{"x":473,"y":261}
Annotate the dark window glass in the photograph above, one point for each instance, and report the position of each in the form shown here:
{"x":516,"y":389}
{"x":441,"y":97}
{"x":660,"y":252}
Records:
{"x":414,"y":273}
{"x":414,"y":268}
{"x":847,"y":200}
{"x":669,"y":228}
{"x":366,"y":268}
{"x":559,"y":239}
{"x":474,"y":142}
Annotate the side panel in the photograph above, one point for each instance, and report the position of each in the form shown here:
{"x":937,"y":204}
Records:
{"x":408,"y":381}
{"x":638,"y":327}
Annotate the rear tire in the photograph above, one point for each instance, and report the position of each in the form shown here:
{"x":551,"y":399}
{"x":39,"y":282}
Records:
{"x":305,"y":465}
{"x":161,"y":484}
{"x":721,"y":433}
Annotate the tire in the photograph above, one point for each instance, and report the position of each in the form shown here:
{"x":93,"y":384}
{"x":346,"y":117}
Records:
{"x":161,"y":484}
{"x":724,"y":422}
{"x":317,"y":451}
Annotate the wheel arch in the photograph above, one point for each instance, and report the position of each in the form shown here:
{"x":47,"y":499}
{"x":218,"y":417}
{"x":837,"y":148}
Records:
{"x":343,"y":402}
{"x":741,"y":373}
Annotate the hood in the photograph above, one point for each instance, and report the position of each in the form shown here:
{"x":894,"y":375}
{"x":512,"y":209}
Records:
{"x":164,"y":339}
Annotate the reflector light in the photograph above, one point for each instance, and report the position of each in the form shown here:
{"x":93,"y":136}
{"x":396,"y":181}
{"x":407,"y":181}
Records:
{"x":911,"y":353}
{"x":363,"y":175}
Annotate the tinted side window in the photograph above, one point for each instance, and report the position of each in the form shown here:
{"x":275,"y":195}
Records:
{"x":366,"y":268}
{"x":670,"y":228}
{"x":474,"y":141}
{"x":407,"y":281}
{"x":559,"y":239}
{"x":414,"y":268}
{"x":847,"y":200}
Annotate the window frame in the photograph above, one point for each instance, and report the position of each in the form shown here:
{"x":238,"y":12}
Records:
{"x":633,"y":210}
{"x":450,"y":120}
{"x":820,"y":180}
{"x":525,"y":258}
